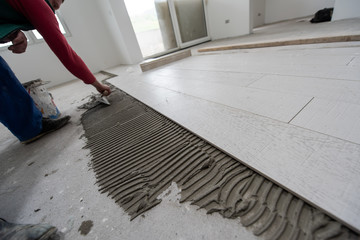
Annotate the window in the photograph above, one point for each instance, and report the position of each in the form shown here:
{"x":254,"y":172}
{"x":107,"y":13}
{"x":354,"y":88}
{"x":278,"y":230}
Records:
{"x":34,"y":36}
{"x":61,"y":26}
{"x":6,"y":45}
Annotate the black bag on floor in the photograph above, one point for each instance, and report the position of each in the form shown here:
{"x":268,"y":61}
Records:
{"x":323,"y":15}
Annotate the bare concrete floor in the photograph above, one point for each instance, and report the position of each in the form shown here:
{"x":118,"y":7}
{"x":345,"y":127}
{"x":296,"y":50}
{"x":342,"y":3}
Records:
{"x":50,"y":181}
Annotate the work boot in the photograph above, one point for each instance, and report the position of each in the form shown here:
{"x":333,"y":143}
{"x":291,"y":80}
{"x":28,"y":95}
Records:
{"x":11,"y":231}
{"x":48,"y":126}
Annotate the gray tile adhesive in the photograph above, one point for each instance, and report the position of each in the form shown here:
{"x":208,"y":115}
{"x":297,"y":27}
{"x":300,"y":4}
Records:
{"x":137,"y":153}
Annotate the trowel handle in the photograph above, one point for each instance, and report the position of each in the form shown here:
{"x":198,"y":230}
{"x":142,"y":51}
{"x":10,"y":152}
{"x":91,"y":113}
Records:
{"x":105,"y":93}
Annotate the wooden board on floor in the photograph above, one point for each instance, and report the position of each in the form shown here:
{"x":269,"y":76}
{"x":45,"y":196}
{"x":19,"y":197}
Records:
{"x":163,"y":60}
{"x":346,"y":38}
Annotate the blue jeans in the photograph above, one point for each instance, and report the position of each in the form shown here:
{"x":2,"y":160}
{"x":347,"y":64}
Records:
{"x":17,"y":109}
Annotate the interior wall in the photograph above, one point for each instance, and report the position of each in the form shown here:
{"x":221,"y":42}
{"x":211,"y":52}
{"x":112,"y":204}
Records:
{"x":258,"y":12}
{"x":228,"y":18}
{"x":346,"y":9}
{"x":278,"y":10}
{"x":126,"y":38}
{"x":102,"y":34}
{"x":90,"y":38}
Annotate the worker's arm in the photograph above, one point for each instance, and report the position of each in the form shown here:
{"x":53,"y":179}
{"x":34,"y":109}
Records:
{"x":43,"y":19}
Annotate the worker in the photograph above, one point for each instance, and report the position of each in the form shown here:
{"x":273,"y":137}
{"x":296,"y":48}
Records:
{"x":17,"y":109}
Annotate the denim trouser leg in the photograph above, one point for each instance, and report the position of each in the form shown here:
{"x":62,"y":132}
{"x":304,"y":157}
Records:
{"x":17,"y":109}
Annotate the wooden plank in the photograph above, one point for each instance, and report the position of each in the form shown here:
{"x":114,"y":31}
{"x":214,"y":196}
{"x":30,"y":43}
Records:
{"x":305,"y":162}
{"x":310,"y":57}
{"x":163,"y":60}
{"x":345,"y":38}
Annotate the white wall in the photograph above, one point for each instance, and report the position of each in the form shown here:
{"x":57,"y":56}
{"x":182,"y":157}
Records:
{"x":103,"y":36}
{"x":278,"y":10}
{"x":346,"y":9}
{"x":236,"y":11}
{"x":92,"y":38}
{"x":258,"y":12}
{"x":127,"y":39}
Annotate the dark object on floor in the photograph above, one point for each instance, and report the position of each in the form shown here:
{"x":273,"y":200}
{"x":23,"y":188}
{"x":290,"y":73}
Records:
{"x":12,"y":231}
{"x":85,"y":227}
{"x":323,"y":15}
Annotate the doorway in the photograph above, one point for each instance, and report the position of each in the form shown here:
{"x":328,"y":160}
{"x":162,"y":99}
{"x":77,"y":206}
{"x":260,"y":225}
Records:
{"x":164,"y":26}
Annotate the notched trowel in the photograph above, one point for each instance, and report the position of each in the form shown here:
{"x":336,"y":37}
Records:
{"x":104,"y":99}
{"x":96,"y":100}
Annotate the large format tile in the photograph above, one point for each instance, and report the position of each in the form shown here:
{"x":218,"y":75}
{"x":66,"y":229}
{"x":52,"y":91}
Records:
{"x":335,"y":118}
{"x":319,"y":168}
{"x":281,"y":106}
{"x":242,"y":102}
{"x":324,"y":88}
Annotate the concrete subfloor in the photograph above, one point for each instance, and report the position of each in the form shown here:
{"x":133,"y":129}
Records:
{"x":49,"y":181}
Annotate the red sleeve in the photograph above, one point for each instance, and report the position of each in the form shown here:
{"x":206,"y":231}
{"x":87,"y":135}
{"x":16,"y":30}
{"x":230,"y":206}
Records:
{"x":43,"y":19}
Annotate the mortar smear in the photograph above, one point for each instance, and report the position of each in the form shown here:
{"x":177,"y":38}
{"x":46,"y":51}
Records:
{"x":137,"y":153}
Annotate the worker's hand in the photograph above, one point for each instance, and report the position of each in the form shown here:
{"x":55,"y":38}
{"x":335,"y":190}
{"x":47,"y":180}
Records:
{"x":19,"y":43}
{"x":101,"y":88}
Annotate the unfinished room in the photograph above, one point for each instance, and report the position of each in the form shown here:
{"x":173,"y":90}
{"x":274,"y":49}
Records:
{"x":180,"y":119}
